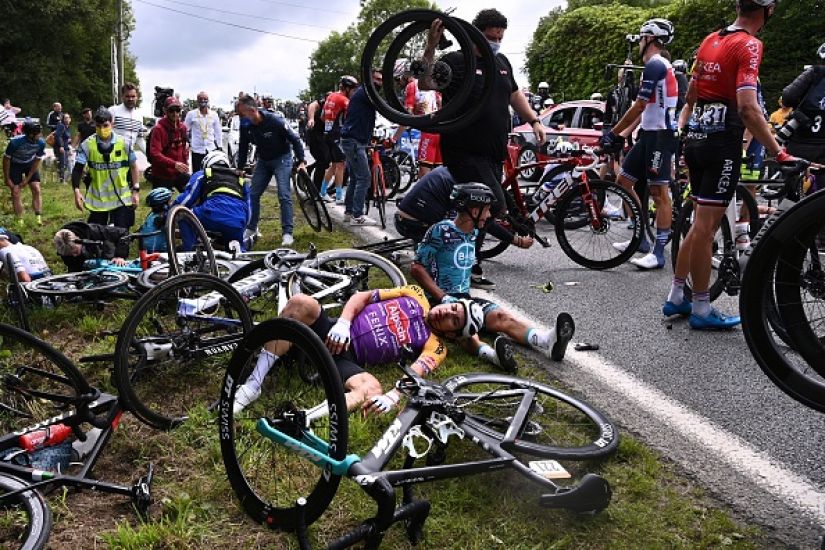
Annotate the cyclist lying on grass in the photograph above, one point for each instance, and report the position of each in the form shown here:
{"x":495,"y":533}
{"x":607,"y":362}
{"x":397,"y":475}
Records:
{"x":442,"y":266}
{"x":74,"y":254}
{"x":28,"y":263}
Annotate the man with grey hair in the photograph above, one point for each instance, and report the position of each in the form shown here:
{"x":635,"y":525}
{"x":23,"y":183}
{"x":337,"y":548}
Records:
{"x":72,"y":244}
{"x":204,"y":127}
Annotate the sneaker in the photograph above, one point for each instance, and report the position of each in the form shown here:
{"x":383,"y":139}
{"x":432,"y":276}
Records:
{"x":478,"y":281}
{"x":245,"y":396}
{"x":287,"y":240}
{"x":713,"y":321}
{"x":644,"y":247}
{"x":39,"y":219}
{"x":504,"y":351}
{"x":362,"y":220}
{"x":684,"y":309}
{"x":328,"y":198}
{"x":565,"y":327}
{"x":648,"y":261}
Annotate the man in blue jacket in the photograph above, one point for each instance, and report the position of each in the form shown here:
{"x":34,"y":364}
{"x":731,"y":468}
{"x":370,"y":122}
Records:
{"x":276,"y":144}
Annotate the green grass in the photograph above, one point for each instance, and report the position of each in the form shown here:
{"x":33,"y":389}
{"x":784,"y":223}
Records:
{"x":653,"y":506}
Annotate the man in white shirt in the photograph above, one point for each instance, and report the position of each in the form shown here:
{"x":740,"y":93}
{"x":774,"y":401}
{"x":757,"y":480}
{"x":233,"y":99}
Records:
{"x":205,"y":133}
{"x":28,"y":263}
{"x":127,"y":122}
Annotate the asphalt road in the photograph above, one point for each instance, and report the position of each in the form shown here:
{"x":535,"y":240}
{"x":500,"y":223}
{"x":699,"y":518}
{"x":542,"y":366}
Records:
{"x":699,"y":398}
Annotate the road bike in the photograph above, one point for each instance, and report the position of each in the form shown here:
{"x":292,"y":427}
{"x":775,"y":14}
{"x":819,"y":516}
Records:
{"x":170,"y":353}
{"x":585,"y":213}
{"x":56,"y":426}
{"x":384,"y":173}
{"x":406,"y":156}
{"x":286,"y":452}
{"x":782,"y":299}
{"x":309,"y":200}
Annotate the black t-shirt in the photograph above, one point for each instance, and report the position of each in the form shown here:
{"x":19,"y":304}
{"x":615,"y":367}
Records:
{"x":429,"y":199}
{"x":486,"y":136}
{"x":85,"y":129}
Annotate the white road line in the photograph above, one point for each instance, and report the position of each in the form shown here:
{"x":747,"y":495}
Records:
{"x":797,"y":491}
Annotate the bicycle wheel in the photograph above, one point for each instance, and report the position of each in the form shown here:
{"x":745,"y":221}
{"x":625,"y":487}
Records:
{"x":591,"y":245}
{"x":577,"y":216}
{"x":170,"y":353}
{"x":557,"y":425}
{"x":36,"y":380}
{"x":25,"y":520}
{"x":406,"y":169}
{"x":301,"y":185}
{"x":16,"y":298}
{"x":492,"y":247}
{"x":152,"y":277}
{"x":367,"y":271}
{"x":392,"y":175}
{"x":379,"y":194}
{"x":83,"y":283}
{"x":269,"y":477}
{"x":786,"y":242}
{"x":180,"y":222}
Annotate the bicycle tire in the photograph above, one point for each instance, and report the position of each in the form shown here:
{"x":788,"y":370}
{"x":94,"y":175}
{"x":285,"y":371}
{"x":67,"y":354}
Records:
{"x":37,"y":516}
{"x":268,"y":478}
{"x":413,"y":175}
{"x":417,"y":21}
{"x":180,"y":214}
{"x":724,"y":240}
{"x":82,"y":283}
{"x":167,"y":360}
{"x":337,"y":261}
{"x":16,"y":297}
{"x":608,"y":232}
{"x":379,"y":195}
{"x":405,"y":171}
{"x":559,"y":426}
{"x":785,"y":367}
{"x":156,"y":274}
{"x":306,"y":202}
{"x":550,"y":216}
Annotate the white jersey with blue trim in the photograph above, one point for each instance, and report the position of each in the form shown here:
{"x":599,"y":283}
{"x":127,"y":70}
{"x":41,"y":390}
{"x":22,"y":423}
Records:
{"x":660,"y":89}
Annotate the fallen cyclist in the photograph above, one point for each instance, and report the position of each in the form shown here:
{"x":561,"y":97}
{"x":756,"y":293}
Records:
{"x":68,"y":242}
{"x":26,"y":261}
{"x":443,"y":265}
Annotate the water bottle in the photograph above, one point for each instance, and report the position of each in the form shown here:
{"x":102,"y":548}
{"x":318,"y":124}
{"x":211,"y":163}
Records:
{"x":45,"y":437}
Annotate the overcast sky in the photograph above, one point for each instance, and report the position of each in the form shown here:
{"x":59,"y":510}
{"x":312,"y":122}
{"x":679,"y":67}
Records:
{"x":183,"y":50}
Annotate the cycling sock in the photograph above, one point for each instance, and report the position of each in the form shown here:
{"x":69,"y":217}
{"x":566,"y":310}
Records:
{"x":701,"y":304}
{"x":661,"y":241}
{"x":487,"y":353}
{"x":541,"y":338}
{"x":265,"y":361}
{"x":324,"y":187}
{"x":677,"y":291}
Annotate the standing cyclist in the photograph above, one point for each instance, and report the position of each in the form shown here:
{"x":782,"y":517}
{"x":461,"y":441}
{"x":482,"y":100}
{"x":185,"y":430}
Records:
{"x":721,"y":102}
{"x":21,"y":167}
{"x":806,"y":94}
{"x":651,"y":158}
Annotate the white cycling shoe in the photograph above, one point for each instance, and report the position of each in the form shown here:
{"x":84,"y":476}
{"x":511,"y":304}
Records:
{"x":648,"y":261}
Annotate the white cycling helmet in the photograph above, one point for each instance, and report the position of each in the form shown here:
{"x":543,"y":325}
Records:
{"x":563,"y":148}
{"x":596,"y":96}
{"x":473,"y":318}
{"x":549,"y":101}
{"x":215,"y":157}
{"x":544,"y":86}
{"x":661,"y":29}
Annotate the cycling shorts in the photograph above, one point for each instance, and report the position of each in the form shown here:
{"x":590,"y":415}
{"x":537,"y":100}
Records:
{"x":651,"y":158}
{"x":347,"y":367}
{"x":714,"y":162}
{"x":429,"y":150}
{"x":334,"y":150}
{"x":19,"y":171}
{"x":814,"y":152}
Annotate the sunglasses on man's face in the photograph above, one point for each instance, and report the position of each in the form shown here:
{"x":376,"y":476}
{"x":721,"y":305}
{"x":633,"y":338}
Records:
{"x":174,"y":110}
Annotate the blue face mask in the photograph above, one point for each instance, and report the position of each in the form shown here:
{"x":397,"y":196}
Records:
{"x":495,"y":46}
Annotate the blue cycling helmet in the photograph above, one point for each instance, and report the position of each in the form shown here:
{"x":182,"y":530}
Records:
{"x":158,"y":197}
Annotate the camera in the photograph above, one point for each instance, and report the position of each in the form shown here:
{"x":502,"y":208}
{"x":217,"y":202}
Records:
{"x":160,"y":99}
{"x":796,"y":120}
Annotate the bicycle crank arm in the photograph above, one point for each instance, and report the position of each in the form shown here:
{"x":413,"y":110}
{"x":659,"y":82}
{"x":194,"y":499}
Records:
{"x":590,"y":496}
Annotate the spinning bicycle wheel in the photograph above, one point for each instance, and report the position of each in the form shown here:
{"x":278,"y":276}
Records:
{"x":402,"y":39}
{"x":591,"y":245}
{"x":557,"y":425}
{"x":269,"y":477}
{"x":170,"y":354}
{"x":190,"y":249}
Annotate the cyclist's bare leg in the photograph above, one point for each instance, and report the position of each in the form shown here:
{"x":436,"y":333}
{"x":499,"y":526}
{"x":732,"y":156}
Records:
{"x":16,"y":200}
{"x":37,"y":198}
{"x":695,"y":253}
{"x":339,"y":176}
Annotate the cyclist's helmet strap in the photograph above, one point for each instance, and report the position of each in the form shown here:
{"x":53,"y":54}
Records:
{"x":473,"y":318}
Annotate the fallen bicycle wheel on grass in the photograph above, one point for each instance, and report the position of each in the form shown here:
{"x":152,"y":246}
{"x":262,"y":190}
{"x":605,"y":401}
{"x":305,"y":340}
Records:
{"x":190,"y":249}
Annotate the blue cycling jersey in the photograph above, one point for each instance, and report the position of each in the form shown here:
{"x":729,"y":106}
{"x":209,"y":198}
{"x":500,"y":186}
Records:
{"x":21,"y":150}
{"x":448,"y":254}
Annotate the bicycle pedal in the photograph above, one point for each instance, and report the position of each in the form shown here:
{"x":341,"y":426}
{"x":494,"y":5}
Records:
{"x":142,"y":493}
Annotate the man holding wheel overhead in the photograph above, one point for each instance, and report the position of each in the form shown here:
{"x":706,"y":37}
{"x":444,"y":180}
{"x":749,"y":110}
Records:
{"x":477,"y":151}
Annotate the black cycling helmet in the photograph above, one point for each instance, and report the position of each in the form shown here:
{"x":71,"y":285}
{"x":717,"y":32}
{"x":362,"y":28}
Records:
{"x":467,"y":195}
{"x":31,"y":126}
{"x":102,"y":115}
{"x":348,"y":81}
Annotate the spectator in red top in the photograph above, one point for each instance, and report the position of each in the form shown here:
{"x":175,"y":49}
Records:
{"x":169,"y":151}
{"x":335,"y":109}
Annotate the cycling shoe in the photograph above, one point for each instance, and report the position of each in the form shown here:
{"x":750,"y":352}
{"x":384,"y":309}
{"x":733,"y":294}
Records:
{"x":670,"y":309}
{"x":713,"y":321}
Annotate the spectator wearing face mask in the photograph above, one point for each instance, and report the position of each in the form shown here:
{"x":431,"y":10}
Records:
{"x":204,"y":129}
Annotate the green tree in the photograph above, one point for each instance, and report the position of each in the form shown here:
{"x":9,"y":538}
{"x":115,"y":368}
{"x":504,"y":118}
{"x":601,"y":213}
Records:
{"x":59,"y":50}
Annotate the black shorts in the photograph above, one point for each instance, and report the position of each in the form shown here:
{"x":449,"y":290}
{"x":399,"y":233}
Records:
{"x":19,"y":171}
{"x":714,"y":162}
{"x":651,"y":159}
{"x":347,"y":367}
{"x":318,"y":149}
{"x":334,"y":150}
{"x":411,"y":229}
{"x":814,"y":152}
